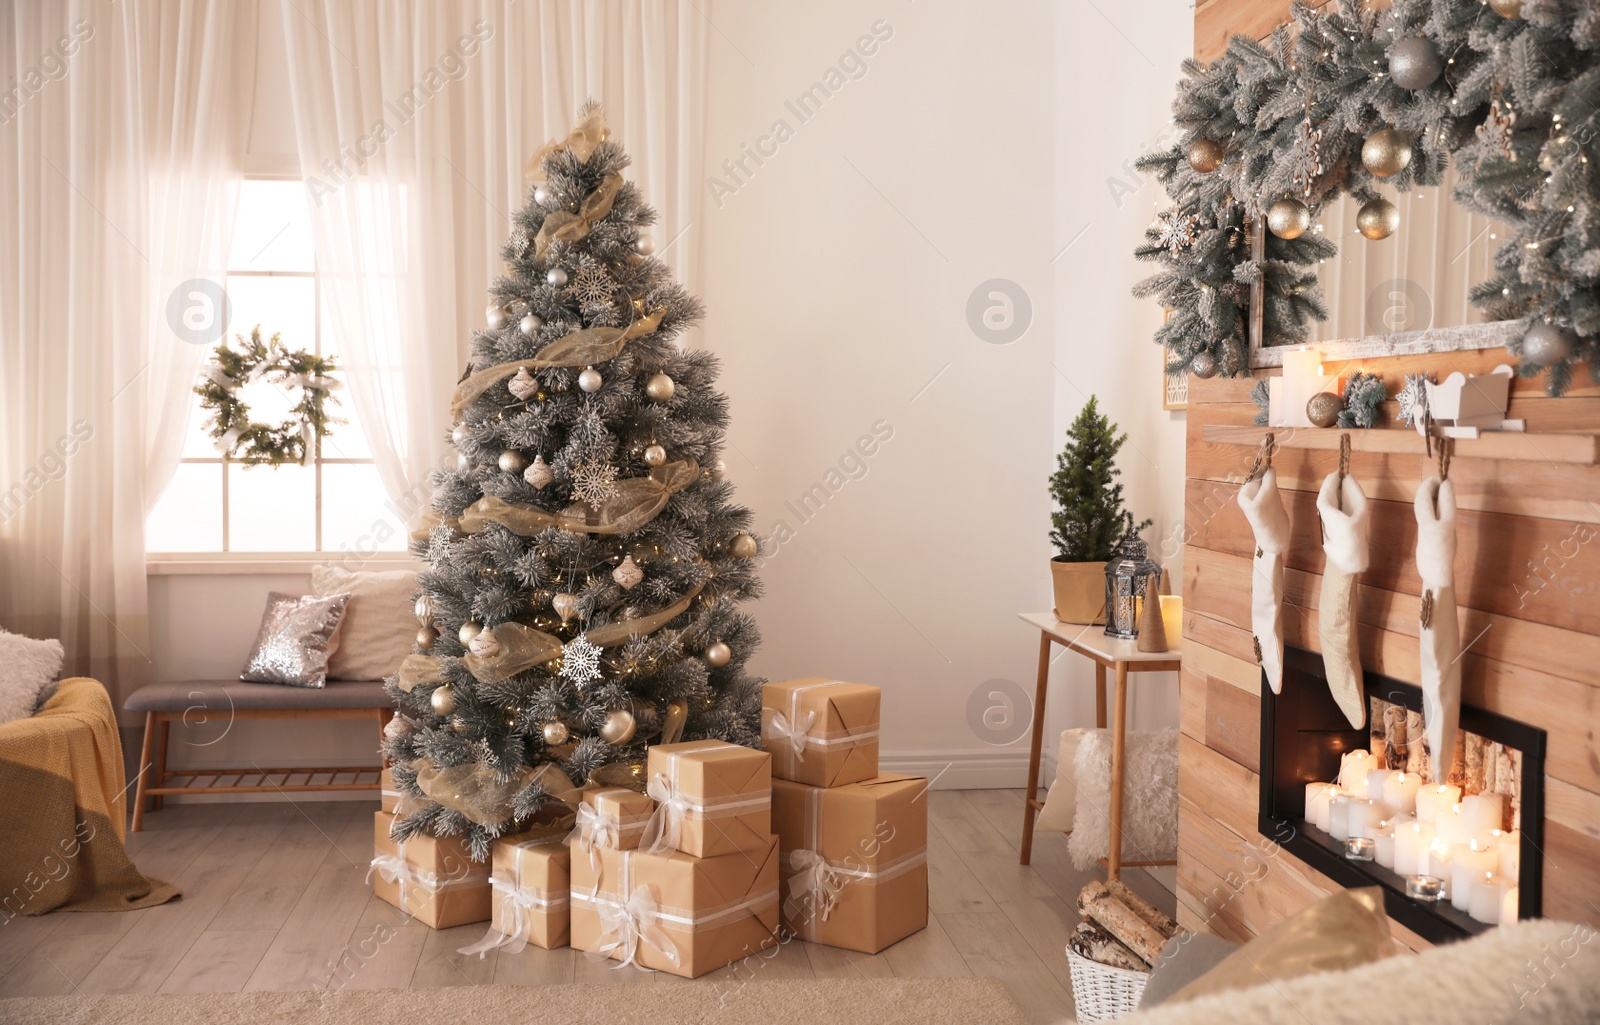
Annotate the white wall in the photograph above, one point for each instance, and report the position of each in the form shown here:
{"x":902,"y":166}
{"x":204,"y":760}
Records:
{"x":975,"y":145}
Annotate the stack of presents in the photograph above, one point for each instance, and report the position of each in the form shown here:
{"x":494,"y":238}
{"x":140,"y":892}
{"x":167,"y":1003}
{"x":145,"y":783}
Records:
{"x":729,"y":852}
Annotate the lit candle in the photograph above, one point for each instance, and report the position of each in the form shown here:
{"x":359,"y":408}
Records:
{"x":1439,"y":865}
{"x":1385,"y":838}
{"x":1287,"y":395}
{"x":1375,"y":780}
{"x":1470,"y":862}
{"x":1172,"y":618}
{"x":1487,"y":899}
{"x":1317,"y":797}
{"x":1424,"y":887}
{"x":1363,"y":817}
{"x":1411,"y":843}
{"x":1339,"y":817}
{"x":1449,"y":825}
{"x":1360,"y":848}
{"x":1431,"y":801}
{"x":1400,"y":792}
{"x":1353,"y":769}
{"x":1480,"y":816}
{"x":1510,"y":905}
{"x":1510,"y":847}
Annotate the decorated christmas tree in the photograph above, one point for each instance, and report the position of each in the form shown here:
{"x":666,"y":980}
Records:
{"x":586,"y":560}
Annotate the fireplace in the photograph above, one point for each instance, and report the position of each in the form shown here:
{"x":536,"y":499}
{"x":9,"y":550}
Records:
{"x":1304,"y":737}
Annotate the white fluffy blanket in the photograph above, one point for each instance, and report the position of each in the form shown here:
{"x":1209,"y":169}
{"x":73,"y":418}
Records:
{"x":1149,"y":798}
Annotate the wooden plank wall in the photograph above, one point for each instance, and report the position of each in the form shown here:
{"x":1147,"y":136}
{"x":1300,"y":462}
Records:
{"x":1528,"y":583}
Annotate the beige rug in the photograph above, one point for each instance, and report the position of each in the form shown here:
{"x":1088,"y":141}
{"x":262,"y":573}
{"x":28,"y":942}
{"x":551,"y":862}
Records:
{"x":820,"y":1002}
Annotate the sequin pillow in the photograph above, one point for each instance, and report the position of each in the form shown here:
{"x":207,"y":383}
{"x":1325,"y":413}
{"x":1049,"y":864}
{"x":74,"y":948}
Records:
{"x":296,"y":640}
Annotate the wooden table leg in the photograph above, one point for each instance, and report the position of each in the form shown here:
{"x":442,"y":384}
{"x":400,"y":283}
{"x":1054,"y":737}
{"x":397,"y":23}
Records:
{"x":159,"y":773}
{"x":1119,"y":737}
{"x":1099,"y":696}
{"x":1040,"y":686}
{"x":145,"y":750}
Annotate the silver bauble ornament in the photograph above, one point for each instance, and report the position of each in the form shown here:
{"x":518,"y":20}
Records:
{"x":542,"y":194}
{"x":590,"y":380}
{"x":1414,"y":62}
{"x":1386,"y":152}
{"x":443,"y":700}
{"x":1288,"y":218}
{"x":462,"y":462}
{"x":717,"y":654}
{"x":618,"y":728}
{"x":565,"y":605}
{"x":627,"y":574}
{"x":538,"y":473}
{"x":1204,"y":155}
{"x":555,"y":277}
{"x":1322,"y":409}
{"x":529,"y":324}
{"x":1547,"y":344}
{"x":556,"y":733}
{"x":644,"y":245}
{"x":1377,"y":218}
{"x":495,"y":316}
{"x":459,"y":434}
{"x":1203,"y":365}
{"x":744,"y":547}
{"x":470,"y":629}
{"x":524,"y":386}
{"x":512,"y":461}
{"x":423,"y":608}
{"x":719,"y":469}
{"x":660,"y":387}
{"x":426,"y":635}
{"x":485,"y":645}
{"x":1506,"y":8}
{"x":655,"y":455}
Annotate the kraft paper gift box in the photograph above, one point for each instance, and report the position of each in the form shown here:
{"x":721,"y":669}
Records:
{"x":674,"y":912}
{"x":855,"y":860}
{"x":616,"y":816}
{"x":531,"y":879}
{"x":821,"y":732}
{"x":711,"y":798}
{"x":388,"y":794}
{"x":433,"y":879}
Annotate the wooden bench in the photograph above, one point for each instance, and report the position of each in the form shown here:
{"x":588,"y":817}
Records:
{"x":196,"y":703}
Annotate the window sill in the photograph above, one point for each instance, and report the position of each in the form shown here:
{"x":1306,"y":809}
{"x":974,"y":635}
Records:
{"x":248,"y":564}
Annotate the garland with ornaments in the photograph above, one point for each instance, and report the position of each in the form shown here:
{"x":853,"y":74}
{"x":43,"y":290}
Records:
{"x":236,"y":435}
{"x":585,"y":557}
{"x":1368,"y":102}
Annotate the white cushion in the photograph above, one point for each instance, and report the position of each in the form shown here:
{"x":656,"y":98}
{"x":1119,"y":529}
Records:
{"x":1061,"y":802}
{"x":27,"y":667}
{"x":380,"y":626}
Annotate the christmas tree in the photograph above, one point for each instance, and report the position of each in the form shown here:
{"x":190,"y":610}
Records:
{"x":585,"y":558}
{"x":1089,"y":519}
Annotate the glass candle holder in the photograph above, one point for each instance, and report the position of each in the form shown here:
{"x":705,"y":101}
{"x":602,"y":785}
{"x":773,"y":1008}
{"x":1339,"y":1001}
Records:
{"x":1424,"y":888}
{"x":1360,"y":848}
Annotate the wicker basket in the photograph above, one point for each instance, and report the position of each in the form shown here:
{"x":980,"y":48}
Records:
{"x":1104,"y":993}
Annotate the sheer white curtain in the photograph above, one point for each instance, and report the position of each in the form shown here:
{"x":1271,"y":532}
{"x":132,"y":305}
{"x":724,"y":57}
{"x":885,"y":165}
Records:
{"x":112,"y":147}
{"x":413,"y":122}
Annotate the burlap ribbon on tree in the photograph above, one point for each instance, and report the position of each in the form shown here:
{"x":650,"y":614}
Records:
{"x":569,"y":226}
{"x":636,"y":502}
{"x":484,"y":795}
{"x":585,"y":137}
{"x":581,"y":348}
{"x":420,"y":671}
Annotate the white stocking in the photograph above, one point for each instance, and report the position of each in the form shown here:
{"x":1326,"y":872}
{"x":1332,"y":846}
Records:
{"x":1263,"y":507}
{"x":1441,"y":630}
{"x":1345,"y":524}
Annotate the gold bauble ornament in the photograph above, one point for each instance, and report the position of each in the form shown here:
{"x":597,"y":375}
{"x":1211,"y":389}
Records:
{"x":443,"y":700}
{"x":470,"y":629}
{"x":1323,"y":408}
{"x":744,"y":547}
{"x":565,"y":605}
{"x":618,"y":728}
{"x":423,"y":608}
{"x":1288,"y":218}
{"x":512,"y":461}
{"x":655,"y":455}
{"x":717,"y":654}
{"x":660,"y":387}
{"x":426,"y":635}
{"x":1377,"y":218}
{"x":1205,"y":155}
{"x":556,"y":733}
{"x":1506,"y":8}
{"x":1386,"y":152}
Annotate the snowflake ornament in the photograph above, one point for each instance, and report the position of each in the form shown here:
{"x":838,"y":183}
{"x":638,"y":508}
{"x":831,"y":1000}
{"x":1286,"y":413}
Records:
{"x":1413,"y":399}
{"x":594,"y":483}
{"x":592,"y":286}
{"x":1307,"y":156}
{"x":580,"y":661}
{"x":1176,"y":231}
{"x":521,"y":241}
{"x":1497,"y":132}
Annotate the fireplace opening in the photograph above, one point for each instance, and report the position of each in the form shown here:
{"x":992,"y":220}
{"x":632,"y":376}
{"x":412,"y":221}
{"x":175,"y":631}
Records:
{"x":1307,"y":744}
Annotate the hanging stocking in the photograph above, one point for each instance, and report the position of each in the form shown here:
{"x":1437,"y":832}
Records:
{"x":1345,"y":524}
{"x":1263,"y":507}
{"x":1441,"y":631}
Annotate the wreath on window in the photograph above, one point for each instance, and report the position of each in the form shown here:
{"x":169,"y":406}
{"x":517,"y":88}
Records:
{"x":248,"y":441}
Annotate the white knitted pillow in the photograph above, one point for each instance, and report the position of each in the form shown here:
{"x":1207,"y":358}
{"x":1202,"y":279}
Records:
{"x":27,"y":667}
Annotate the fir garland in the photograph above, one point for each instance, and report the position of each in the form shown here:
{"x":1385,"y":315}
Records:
{"x":1535,"y":176}
{"x":247,"y":441}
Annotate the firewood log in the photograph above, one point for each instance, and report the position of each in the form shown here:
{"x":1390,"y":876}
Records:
{"x":1096,"y":902}
{"x":1472,"y":760}
{"x":1143,"y":908}
{"x":1090,"y":941}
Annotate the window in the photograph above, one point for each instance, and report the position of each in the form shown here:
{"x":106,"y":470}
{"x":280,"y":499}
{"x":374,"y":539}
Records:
{"x":336,"y":503}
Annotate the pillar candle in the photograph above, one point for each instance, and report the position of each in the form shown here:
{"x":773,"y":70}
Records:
{"x":1480,"y":816}
{"x":1363,"y":817}
{"x":1385,"y":837}
{"x":1470,"y":862}
{"x":1339,"y":817}
{"x":1287,"y":394}
{"x":1433,"y":800}
{"x":1317,"y":797}
{"x":1510,"y":847}
{"x":1375,"y":780}
{"x":1411,"y":843}
{"x":1487,"y":899}
{"x":1510,"y":905}
{"x":1400,"y":792}
{"x":1439,"y":866}
{"x":1172,"y":617}
{"x":1449,"y":825}
{"x":1353,"y":769}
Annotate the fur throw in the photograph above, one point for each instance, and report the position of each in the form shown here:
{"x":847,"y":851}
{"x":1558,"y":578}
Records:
{"x":1149,"y":798}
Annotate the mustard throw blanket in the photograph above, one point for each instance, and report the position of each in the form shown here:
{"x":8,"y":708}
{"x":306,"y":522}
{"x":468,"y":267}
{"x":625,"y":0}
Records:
{"x":63,"y":810}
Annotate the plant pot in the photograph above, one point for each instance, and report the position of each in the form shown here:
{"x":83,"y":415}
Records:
{"x":1080,"y":591}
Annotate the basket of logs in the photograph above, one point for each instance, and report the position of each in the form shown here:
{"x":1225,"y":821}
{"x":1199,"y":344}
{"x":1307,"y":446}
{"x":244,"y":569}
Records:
{"x":1112,"y":949}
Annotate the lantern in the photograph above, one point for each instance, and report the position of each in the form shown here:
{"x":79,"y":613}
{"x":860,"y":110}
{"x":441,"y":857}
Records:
{"x":1127,"y":575}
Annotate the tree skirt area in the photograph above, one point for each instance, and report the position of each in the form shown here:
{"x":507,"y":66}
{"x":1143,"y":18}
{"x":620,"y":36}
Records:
{"x":830,"y":1002}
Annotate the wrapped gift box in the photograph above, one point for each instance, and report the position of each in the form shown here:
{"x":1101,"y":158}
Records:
{"x":531,"y":876}
{"x":432,"y":879}
{"x":388,"y":795}
{"x":712,"y":798}
{"x":616,"y":816}
{"x":821,"y":732}
{"x":855,"y":860}
{"x":674,"y":912}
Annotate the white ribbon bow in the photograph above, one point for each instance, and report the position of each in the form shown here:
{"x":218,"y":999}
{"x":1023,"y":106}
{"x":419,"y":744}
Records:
{"x":796,"y":732}
{"x":666,"y":822}
{"x":394,"y":869}
{"x":517,"y":905}
{"x":592,"y":833}
{"x":625,"y":925}
{"x":816,"y":878}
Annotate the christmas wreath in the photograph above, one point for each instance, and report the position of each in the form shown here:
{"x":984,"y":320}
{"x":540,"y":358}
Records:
{"x":1509,"y":89}
{"x":247,"y":441}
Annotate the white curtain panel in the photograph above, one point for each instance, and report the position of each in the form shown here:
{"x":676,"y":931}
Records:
{"x":414,"y":120}
{"x":114,"y":135}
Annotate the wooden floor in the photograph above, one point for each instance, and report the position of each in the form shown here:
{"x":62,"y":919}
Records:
{"x":274,"y":896}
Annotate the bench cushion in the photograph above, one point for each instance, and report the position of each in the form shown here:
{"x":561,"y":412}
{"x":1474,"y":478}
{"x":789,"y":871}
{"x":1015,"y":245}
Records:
{"x":216,"y":695}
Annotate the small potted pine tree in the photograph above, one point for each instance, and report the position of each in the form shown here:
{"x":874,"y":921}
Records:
{"x":1089,"y":518}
